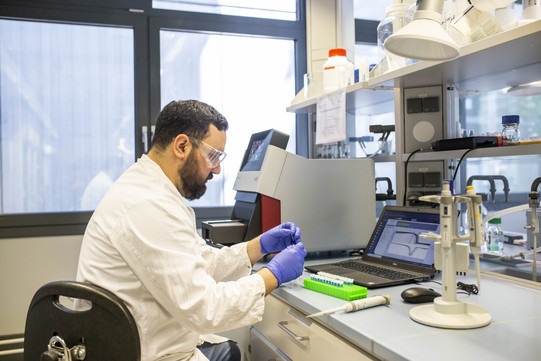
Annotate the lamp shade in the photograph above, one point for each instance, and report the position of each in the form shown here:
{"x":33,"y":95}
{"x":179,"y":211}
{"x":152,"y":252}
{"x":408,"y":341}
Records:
{"x":422,"y":39}
{"x":525,"y":90}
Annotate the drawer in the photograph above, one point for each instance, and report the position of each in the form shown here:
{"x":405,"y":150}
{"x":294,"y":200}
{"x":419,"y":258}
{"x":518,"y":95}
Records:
{"x":263,"y":349}
{"x":300,"y":338}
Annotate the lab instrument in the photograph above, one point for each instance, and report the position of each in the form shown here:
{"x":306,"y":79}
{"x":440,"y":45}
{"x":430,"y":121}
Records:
{"x":335,"y":286}
{"x":250,"y":209}
{"x":331,"y":200}
{"x":447,"y":311}
{"x":357,"y":305}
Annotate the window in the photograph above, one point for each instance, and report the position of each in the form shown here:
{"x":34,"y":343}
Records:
{"x":370,"y":10}
{"x":81,"y":85}
{"x":368,"y":14}
{"x":67,"y":114}
{"x":250,"y":80}
{"x":271,"y":9}
{"x":483,"y":114}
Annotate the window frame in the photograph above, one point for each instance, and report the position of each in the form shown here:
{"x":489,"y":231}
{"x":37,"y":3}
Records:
{"x":70,"y":223}
{"x":146,"y":23}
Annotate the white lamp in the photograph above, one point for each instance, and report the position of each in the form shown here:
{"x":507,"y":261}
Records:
{"x":525,"y":90}
{"x":423,"y":38}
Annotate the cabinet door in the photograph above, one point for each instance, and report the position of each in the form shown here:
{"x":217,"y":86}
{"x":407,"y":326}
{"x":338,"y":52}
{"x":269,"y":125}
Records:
{"x":302,"y":339}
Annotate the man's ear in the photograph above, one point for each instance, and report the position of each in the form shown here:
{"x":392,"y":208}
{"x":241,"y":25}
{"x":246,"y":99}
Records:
{"x":182,"y":146}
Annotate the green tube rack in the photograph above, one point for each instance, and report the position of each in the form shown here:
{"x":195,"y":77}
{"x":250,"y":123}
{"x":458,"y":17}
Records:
{"x":346,"y":292}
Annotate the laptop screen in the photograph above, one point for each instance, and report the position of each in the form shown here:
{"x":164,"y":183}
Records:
{"x":396,"y":237}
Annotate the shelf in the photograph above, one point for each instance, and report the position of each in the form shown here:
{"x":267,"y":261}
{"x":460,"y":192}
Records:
{"x":506,"y":59}
{"x":360,"y":99}
{"x":508,"y":151}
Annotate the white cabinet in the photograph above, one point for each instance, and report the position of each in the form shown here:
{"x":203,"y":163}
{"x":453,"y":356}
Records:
{"x":288,"y":332}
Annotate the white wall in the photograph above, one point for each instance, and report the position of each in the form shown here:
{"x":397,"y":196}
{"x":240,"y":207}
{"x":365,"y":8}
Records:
{"x":25,"y":265}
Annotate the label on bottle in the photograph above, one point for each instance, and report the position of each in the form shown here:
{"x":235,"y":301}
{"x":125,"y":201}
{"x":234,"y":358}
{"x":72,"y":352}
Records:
{"x":475,"y":24}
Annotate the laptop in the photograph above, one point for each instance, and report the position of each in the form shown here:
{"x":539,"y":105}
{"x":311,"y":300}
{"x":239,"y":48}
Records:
{"x":395,"y":254}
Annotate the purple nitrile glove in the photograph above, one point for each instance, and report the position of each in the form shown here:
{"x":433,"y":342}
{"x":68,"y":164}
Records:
{"x":279,"y":237}
{"x":288,"y":264}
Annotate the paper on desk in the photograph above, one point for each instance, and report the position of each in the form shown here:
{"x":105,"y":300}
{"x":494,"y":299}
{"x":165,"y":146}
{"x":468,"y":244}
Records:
{"x":331,"y":117}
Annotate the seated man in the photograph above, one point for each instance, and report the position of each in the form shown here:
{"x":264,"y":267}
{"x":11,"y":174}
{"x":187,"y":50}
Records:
{"x":142,"y":244}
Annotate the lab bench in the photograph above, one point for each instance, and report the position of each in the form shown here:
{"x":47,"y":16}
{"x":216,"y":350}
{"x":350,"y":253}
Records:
{"x":388,"y":333}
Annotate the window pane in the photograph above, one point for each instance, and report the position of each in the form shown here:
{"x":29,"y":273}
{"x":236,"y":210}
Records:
{"x":483,"y":116}
{"x":270,"y":9}
{"x":249,"y":80}
{"x":370,"y":10}
{"x":67,"y":114}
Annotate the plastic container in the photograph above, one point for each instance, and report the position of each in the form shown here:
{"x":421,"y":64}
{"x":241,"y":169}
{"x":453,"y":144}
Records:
{"x":510,"y":131}
{"x":506,"y":17}
{"x":394,"y":20}
{"x":362,"y":73}
{"x":408,"y":14}
{"x":495,"y":235}
{"x":484,"y":214}
{"x":531,"y":10}
{"x":337,"y":71}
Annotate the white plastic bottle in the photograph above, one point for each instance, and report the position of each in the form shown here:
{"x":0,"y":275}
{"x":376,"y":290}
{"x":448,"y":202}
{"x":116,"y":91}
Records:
{"x":337,"y":71}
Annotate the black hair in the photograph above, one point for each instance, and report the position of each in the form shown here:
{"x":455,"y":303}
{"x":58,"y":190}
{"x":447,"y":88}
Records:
{"x":190,"y":117}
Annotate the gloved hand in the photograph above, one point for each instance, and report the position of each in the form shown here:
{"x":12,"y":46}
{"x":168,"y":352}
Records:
{"x":279,"y":237}
{"x":288,"y":264}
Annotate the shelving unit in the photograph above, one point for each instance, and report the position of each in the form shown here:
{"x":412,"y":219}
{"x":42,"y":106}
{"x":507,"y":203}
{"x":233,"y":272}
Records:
{"x":359,"y":96}
{"x":503,"y":60}
{"x":507,"y":59}
{"x":507,"y":151}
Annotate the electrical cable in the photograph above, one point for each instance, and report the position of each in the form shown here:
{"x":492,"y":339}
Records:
{"x":468,"y":288}
{"x":406,"y":173}
{"x":460,"y":161}
{"x":463,"y":155}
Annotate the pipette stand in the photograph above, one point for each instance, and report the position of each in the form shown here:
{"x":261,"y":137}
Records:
{"x":447,"y":311}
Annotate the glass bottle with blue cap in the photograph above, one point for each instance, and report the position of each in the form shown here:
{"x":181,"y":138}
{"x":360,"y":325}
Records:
{"x":510,"y":131}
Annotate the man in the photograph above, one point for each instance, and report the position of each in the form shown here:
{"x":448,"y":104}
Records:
{"x":141,"y":243}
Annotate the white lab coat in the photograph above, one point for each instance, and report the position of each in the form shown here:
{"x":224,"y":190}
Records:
{"x":141,"y":243}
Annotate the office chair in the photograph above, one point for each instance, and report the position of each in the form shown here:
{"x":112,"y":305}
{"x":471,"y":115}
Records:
{"x":53,"y":331}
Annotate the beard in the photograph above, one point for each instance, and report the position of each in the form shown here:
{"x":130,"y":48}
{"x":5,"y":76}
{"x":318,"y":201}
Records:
{"x":192,"y":185}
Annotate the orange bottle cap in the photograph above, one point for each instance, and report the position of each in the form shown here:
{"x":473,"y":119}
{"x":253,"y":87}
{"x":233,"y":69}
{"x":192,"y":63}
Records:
{"x":337,"y":52}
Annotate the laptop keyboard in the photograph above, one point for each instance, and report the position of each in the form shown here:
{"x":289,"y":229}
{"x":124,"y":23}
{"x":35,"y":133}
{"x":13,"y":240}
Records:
{"x":376,"y":271}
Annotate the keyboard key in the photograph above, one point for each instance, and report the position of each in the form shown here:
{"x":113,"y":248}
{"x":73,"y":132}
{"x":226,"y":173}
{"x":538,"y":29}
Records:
{"x":376,"y":271}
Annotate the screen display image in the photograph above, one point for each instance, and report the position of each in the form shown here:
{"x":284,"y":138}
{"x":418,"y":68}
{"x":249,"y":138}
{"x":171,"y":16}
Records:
{"x":257,"y":148}
{"x":256,"y":153}
{"x":399,"y":238}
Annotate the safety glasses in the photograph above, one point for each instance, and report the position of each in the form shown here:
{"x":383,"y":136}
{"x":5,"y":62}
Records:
{"x":213,"y":156}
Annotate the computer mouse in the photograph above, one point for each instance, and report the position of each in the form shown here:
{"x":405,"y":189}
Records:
{"x":419,"y":295}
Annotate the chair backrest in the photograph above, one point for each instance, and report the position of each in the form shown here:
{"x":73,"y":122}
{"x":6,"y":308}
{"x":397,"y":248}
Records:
{"x":107,"y":329}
